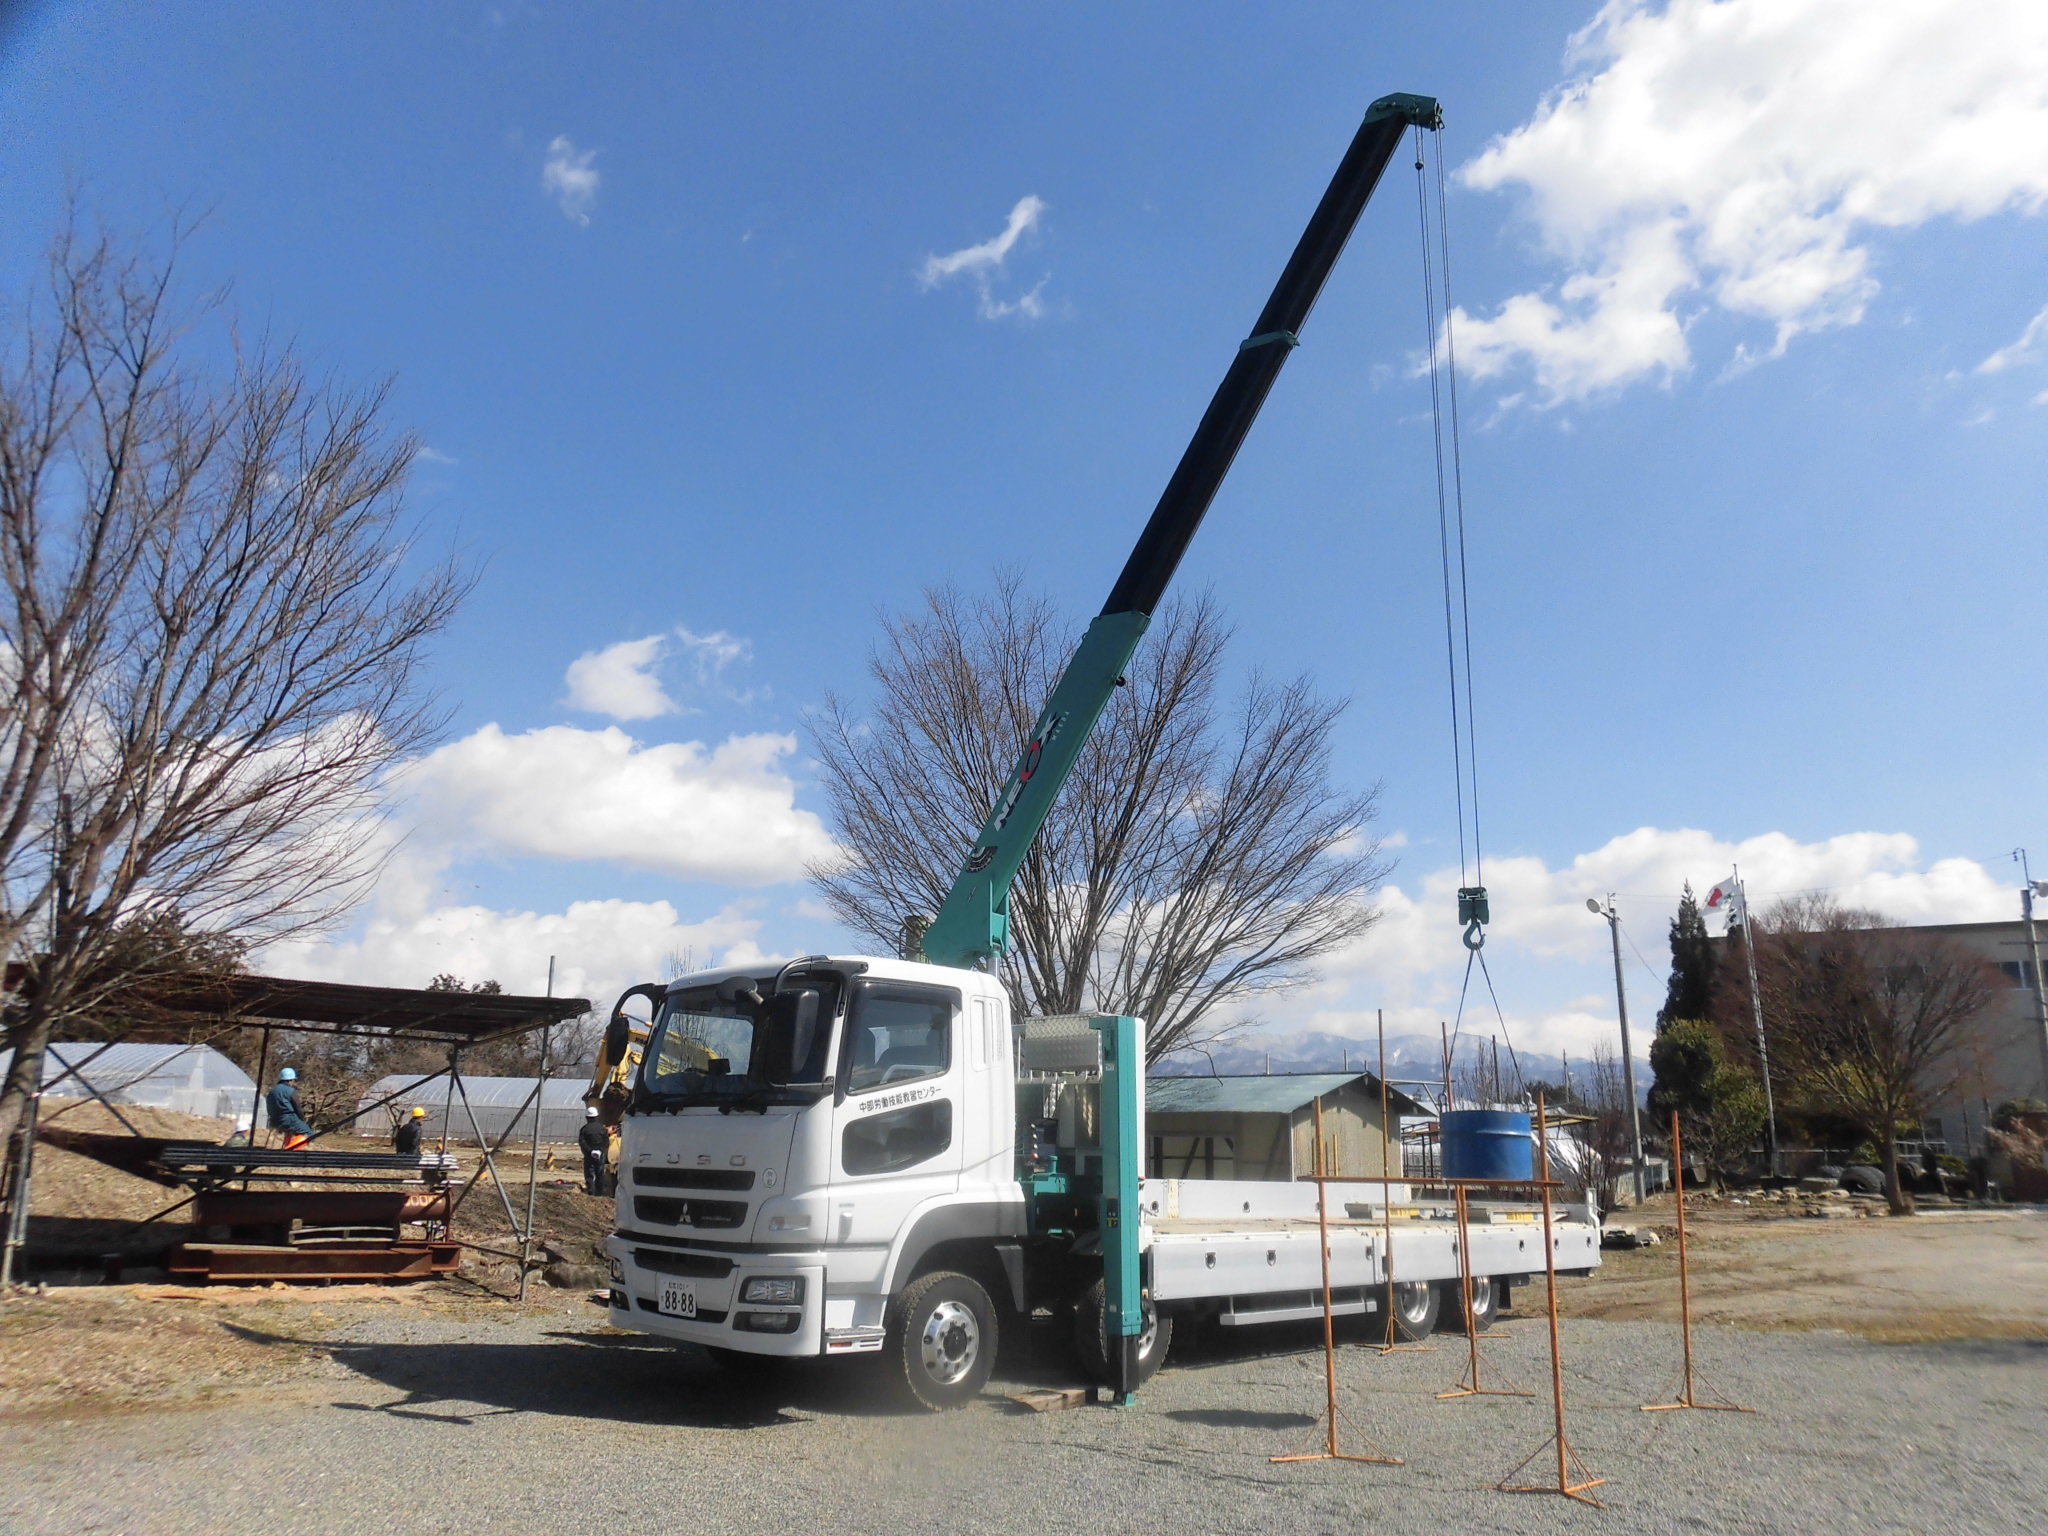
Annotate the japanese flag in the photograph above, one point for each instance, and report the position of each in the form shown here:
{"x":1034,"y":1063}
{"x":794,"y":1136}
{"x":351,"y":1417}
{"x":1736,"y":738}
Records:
{"x":1726,"y":898}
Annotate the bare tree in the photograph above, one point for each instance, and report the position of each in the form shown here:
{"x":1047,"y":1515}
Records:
{"x":211,"y":636}
{"x":1870,"y":1021}
{"x":1608,"y":1135}
{"x":1198,"y":858}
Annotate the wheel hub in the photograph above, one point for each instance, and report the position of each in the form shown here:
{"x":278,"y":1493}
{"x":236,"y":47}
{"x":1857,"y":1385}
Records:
{"x":949,"y":1342}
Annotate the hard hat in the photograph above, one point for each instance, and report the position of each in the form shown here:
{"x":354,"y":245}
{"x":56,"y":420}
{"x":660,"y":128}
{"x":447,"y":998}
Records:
{"x":590,"y":1109}
{"x":418,"y":1113}
{"x":288,"y":1075}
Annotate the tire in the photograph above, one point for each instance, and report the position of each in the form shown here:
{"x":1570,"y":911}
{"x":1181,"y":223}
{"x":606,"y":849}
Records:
{"x":1485,"y":1305}
{"x":944,"y":1338}
{"x":1863,"y":1178}
{"x":1091,"y":1336}
{"x":1414,"y":1304}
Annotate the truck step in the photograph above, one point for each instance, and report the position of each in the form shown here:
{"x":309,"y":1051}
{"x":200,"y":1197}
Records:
{"x":1292,"y":1306}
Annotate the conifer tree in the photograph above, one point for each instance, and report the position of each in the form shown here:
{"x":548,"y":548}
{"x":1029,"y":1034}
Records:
{"x":1690,"y":992}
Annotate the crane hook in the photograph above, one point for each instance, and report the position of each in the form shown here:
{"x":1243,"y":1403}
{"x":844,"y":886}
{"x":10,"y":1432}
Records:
{"x":1474,"y":913}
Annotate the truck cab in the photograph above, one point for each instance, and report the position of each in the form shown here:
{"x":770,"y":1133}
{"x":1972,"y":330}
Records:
{"x":799,"y":1144}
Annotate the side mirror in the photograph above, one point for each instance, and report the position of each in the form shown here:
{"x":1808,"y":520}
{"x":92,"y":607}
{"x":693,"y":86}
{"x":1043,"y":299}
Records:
{"x":783,"y":1038}
{"x":617,"y":1036}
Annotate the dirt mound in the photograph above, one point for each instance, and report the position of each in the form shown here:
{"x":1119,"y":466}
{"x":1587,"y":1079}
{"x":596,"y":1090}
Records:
{"x":80,"y":1209}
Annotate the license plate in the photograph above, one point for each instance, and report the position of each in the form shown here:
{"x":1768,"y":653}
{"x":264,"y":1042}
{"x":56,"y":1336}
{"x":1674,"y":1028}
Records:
{"x":678,"y":1298}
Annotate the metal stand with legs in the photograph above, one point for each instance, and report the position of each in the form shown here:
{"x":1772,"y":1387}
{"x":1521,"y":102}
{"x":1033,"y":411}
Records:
{"x":1330,"y":1452}
{"x":1569,"y":1462}
{"x":1687,"y":1398}
{"x":1471,"y":1384}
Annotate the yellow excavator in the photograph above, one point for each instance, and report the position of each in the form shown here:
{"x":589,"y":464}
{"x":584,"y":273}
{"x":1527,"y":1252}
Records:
{"x":618,"y":1062}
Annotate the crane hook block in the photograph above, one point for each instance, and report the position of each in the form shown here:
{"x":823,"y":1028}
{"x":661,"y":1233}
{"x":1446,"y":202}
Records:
{"x":1474,"y":913}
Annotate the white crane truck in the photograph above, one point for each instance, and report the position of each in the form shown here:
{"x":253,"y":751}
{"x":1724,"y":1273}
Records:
{"x":848,"y":1155}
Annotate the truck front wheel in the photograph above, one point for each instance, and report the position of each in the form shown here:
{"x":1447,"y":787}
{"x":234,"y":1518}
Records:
{"x":1091,"y":1336}
{"x":945,"y":1339}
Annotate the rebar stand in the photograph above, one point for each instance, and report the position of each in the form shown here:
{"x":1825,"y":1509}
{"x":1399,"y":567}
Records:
{"x":1471,"y":1384}
{"x":1569,"y":1462}
{"x":1331,"y":1412}
{"x":1686,"y":1397}
{"x":1392,"y":1343}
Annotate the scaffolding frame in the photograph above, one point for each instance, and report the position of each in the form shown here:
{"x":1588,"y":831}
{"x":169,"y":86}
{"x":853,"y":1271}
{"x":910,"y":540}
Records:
{"x":458,"y":1020}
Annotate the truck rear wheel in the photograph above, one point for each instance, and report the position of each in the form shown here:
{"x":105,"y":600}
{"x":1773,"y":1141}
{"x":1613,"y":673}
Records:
{"x":944,"y":1339}
{"x":1414,"y":1304}
{"x":1091,"y":1336}
{"x":1485,"y":1305}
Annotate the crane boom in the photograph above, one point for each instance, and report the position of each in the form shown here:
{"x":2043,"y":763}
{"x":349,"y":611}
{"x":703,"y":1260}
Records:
{"x":973,"y":922}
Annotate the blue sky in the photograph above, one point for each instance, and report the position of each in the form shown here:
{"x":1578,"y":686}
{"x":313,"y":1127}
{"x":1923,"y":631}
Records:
{"x":1754,"y":418}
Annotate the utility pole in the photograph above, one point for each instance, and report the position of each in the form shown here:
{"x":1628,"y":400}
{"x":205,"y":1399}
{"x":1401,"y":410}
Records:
{"x":2028,"y":891}
{"x":1628,"y":1056}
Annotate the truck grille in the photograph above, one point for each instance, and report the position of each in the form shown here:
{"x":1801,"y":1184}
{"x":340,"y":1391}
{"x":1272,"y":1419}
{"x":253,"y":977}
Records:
{"x":694,"y":1178}
{"x":703,"y":1266}
{"x":693,"y":1213}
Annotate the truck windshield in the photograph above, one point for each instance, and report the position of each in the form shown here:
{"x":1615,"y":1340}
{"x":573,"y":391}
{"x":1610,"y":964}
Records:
{"x":702,"y":1049}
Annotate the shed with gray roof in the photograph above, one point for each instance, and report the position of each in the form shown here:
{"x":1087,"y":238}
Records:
{"x":1263,"y":1127}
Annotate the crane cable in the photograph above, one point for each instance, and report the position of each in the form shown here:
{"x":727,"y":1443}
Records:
{"x":1473,"y":909}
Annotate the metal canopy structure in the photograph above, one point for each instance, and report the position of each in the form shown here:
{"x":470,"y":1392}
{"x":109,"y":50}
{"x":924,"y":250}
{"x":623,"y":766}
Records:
{"x":217,"y":1004}
{"x":339,"y":1007}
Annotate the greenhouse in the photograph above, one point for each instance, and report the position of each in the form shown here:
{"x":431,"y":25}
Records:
{"x":191,"y":1079}
{"x":496,"y":1102}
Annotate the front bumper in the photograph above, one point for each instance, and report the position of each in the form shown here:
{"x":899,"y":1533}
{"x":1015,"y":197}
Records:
{"x":715,"y":1283}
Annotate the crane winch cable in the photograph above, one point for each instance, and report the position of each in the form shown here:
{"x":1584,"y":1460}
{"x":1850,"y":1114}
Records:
{"x":1452,"y":548}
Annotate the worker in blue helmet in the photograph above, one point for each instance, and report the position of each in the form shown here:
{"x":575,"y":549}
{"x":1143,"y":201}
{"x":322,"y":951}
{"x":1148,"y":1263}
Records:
{"x":283,"y":1103}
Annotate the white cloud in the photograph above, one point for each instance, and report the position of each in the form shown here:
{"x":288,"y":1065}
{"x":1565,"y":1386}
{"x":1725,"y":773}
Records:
{"x":600,"y":947}
{"x":619,"y":681}
{"x":710,"y":655}
{"x":435,"y":456}
{"x":984,"y":263}
{"x":727,"y":813}
{"x":570,"y":178}
{"x":1738,"y":154}
{"x":1544,"y":947}
{"x":2024,"y":350}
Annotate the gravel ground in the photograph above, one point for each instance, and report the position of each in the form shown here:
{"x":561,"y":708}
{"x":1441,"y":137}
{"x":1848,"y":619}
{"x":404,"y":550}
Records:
{"x":535,"y":1420}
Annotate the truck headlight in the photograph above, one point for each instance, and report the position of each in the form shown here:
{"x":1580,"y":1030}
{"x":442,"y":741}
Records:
{"x":618,"y":1269}
{"x":776,"y":1290}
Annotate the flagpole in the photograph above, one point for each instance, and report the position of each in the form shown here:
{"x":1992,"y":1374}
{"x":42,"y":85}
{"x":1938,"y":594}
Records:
{"x":1756,"y":1008}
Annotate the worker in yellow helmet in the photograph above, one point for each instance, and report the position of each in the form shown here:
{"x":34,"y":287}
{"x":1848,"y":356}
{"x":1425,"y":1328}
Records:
{"x":405,"y":1136}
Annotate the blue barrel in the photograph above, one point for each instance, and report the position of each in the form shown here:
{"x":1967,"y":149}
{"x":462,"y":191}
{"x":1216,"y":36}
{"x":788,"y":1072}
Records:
{"x":1488,"y":1144}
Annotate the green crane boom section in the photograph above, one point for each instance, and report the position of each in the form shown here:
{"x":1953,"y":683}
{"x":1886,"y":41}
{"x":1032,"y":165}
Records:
{"x":973,"y":923}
